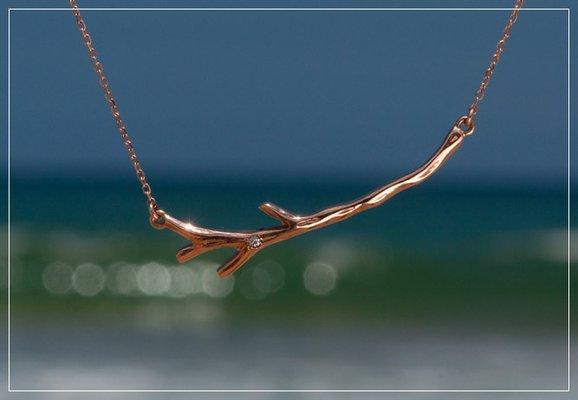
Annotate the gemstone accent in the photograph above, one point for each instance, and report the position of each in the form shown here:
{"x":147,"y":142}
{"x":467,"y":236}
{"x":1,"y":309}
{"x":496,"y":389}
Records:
{"x":254,"y":242}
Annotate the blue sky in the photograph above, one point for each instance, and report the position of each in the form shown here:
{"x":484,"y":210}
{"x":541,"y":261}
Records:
{"x":340,"y":94}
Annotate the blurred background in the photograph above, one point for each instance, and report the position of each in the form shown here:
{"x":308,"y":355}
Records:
{"x":460,"y":283}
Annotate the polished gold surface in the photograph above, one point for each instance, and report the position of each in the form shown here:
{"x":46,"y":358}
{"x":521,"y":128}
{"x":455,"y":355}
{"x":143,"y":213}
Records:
{"x":248,"y":243}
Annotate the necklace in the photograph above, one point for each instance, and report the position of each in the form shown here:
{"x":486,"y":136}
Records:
{"x":247,"y":243}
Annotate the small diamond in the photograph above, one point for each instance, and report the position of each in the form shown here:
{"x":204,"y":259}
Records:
{"x":254,"y":242}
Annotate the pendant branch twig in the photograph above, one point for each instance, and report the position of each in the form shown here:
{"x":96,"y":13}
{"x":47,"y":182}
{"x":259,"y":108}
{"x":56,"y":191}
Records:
{"x":248,"y":243}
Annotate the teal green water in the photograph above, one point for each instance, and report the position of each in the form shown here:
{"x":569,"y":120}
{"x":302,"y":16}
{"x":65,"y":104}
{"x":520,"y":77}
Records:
{"x":430,"y":252}
{"x":430,"y":211}
{"x":441,"y":287}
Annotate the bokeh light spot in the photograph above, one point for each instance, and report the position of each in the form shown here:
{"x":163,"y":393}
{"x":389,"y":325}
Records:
{"x":215,"y":286}
{"x":184,"y":282}
{"x":57,"y":278}
{"x":88,"y":279}
{"x":153,"y":279}
{"x":320,"y":278}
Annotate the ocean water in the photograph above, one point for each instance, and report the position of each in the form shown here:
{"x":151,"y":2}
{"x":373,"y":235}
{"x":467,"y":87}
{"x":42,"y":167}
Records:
{"x":442,"y":287}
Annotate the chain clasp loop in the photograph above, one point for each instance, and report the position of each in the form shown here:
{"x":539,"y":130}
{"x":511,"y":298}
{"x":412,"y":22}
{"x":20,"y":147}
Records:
{"x":465,"y":124}
{"x":156,"y":215}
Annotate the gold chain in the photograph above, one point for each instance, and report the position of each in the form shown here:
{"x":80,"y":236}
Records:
{"x":146,"y":188}
{"x":103,"y":81}
{"x":473,"y":109}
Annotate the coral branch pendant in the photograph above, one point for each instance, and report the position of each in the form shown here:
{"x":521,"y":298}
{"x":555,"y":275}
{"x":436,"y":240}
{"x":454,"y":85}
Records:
{"x":248,"y":243}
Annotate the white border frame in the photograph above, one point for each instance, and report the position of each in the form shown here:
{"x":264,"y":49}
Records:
{"x":567,"y":390}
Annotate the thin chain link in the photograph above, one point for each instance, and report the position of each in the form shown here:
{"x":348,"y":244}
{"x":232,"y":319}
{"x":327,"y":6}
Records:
{"x":103,"y":81}
{"x":473,"y":109}
{"x":146,"y":188}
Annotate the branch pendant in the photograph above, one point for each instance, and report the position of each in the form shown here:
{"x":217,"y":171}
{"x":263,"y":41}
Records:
{"x":248,"y":243}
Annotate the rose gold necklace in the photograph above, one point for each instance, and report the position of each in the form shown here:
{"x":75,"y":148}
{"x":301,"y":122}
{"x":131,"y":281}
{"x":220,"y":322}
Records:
{"x":247,"y":243}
